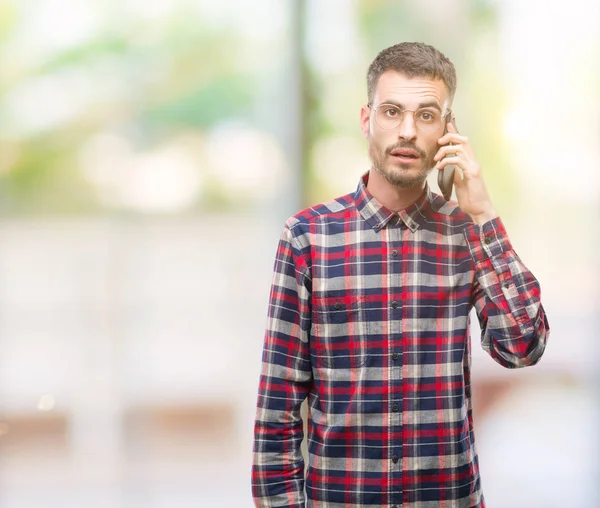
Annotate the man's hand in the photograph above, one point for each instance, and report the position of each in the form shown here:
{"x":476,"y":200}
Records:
{"x":471,"y":192}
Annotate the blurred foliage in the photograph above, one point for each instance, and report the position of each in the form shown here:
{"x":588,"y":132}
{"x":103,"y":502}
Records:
{"x":224,"y":96}
{"x":181,"y":73}
{"x":170,"y":76}
{"x":385,"y":22}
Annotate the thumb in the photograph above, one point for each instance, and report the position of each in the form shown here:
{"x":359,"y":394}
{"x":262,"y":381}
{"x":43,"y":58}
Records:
{"x":458,"y":178}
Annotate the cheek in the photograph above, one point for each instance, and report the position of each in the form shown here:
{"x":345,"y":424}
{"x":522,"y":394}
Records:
{"x":431,"y":146}
{"x":380,"y":140}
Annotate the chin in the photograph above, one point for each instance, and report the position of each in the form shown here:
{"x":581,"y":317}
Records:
{"x":410,"y":172}
{"x":403,"y":181}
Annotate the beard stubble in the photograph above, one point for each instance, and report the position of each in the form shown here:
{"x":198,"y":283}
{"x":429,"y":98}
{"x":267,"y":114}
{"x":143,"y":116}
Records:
{"x":401,"y":175}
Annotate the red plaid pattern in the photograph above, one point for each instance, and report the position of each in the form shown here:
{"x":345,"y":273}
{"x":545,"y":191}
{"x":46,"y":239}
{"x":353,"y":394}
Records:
{"x":369,"y":319}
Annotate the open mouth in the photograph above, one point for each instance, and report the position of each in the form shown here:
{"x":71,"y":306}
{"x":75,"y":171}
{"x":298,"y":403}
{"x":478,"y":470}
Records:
{"x":405,"y":155}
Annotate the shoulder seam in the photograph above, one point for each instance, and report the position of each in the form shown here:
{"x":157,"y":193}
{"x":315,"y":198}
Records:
{"x":305,"y":272}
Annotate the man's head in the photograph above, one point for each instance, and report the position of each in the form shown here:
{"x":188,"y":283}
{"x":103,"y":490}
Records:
{"x":413,"y":59}
{"x":417,"y":78}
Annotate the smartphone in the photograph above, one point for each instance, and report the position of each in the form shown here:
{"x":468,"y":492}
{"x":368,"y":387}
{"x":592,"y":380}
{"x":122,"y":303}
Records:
{"x":446,"y":175}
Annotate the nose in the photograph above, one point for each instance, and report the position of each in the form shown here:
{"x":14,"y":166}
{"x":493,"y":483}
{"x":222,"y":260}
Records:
{"x":407,"y":128}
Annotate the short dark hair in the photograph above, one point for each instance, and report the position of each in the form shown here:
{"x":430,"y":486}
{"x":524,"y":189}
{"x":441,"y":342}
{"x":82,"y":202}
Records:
{"x":415,"y":59}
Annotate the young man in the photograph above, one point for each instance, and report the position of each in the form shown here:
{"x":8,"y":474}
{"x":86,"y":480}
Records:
{"x":369,"y":315}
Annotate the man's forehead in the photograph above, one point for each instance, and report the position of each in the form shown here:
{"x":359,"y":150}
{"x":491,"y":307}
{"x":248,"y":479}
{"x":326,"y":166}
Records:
{"x":395,"y":85}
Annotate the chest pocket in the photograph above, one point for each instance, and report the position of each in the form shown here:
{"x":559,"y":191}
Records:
{"x":340,"y":331}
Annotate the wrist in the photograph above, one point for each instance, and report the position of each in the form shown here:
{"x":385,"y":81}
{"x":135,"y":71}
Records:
{"x":481,"y":218}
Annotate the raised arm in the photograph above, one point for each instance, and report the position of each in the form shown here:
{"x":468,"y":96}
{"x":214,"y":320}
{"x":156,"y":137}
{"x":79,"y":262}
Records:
{"x":506,"y":296}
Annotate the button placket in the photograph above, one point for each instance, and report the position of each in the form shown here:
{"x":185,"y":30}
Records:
{"x":393,"y":312}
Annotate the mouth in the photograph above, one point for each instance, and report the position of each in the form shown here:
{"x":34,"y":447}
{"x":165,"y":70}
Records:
{"x":405,"y":155}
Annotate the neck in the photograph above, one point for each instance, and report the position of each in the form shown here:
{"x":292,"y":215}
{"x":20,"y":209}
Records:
{"x":390,"y":196}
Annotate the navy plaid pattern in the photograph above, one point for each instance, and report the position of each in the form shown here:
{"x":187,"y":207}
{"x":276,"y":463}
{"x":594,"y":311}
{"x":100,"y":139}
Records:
{"x":369,"y":319}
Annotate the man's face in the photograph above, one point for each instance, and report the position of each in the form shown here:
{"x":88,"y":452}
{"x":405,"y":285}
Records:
{"x":404,"y":155}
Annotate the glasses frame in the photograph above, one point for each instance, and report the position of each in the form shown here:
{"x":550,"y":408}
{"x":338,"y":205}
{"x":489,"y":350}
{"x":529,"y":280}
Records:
{"x":445,"y":117}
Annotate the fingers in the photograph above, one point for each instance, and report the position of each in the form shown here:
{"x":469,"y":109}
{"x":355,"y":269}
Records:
{"x":448,"y":150}
{"x":456,"y":160}
{"x":451,"y":127}
{"x":470,"y":170}
{"x":452,"y":137}
{"x":459,"y":180}
{"x":457,"y":151}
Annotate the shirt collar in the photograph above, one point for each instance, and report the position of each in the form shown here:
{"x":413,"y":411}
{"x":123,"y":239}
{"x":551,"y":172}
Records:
{"x":378,"y":216}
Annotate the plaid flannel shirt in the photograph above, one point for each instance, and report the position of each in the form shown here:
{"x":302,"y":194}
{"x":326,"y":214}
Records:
{"x":369,"y":319}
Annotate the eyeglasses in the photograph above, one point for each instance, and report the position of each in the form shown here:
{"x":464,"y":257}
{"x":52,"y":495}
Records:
{"x":388,"y":116}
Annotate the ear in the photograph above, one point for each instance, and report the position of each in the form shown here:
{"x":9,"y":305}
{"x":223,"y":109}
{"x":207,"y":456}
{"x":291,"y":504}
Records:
{"x":365,"y":115}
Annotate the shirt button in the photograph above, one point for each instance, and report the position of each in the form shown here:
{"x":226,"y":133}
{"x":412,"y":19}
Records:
{"x":338,"y":305}
{"x":394,"y":253}
{"x":394,"y":304}
{"x":506,"y":285}
{"x":488,"y":239}
{"x":395,"y":356}
{"x":395,"y":408}
{"x":395,"y":459}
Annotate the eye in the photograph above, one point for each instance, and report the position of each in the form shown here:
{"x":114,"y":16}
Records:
{"x":427,"y":116}
{"x":391,"y":112}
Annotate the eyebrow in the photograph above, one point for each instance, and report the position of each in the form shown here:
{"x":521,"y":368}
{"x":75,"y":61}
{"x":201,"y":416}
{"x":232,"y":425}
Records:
{"x":430,"y":104}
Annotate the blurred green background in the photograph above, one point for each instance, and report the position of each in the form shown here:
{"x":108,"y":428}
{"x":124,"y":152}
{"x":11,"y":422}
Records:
{"x":106,"y":103}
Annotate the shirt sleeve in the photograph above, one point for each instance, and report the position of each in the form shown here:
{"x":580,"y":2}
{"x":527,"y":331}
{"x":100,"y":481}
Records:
{"x":507,"y":298}
{"x":286,"y":378}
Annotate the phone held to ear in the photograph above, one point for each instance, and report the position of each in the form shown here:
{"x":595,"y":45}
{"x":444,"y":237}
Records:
{"x":446,"y":175}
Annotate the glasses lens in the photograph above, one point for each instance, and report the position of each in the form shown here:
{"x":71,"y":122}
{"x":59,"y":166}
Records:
{"x":390,"y":117}
{"x":428,"y":120}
